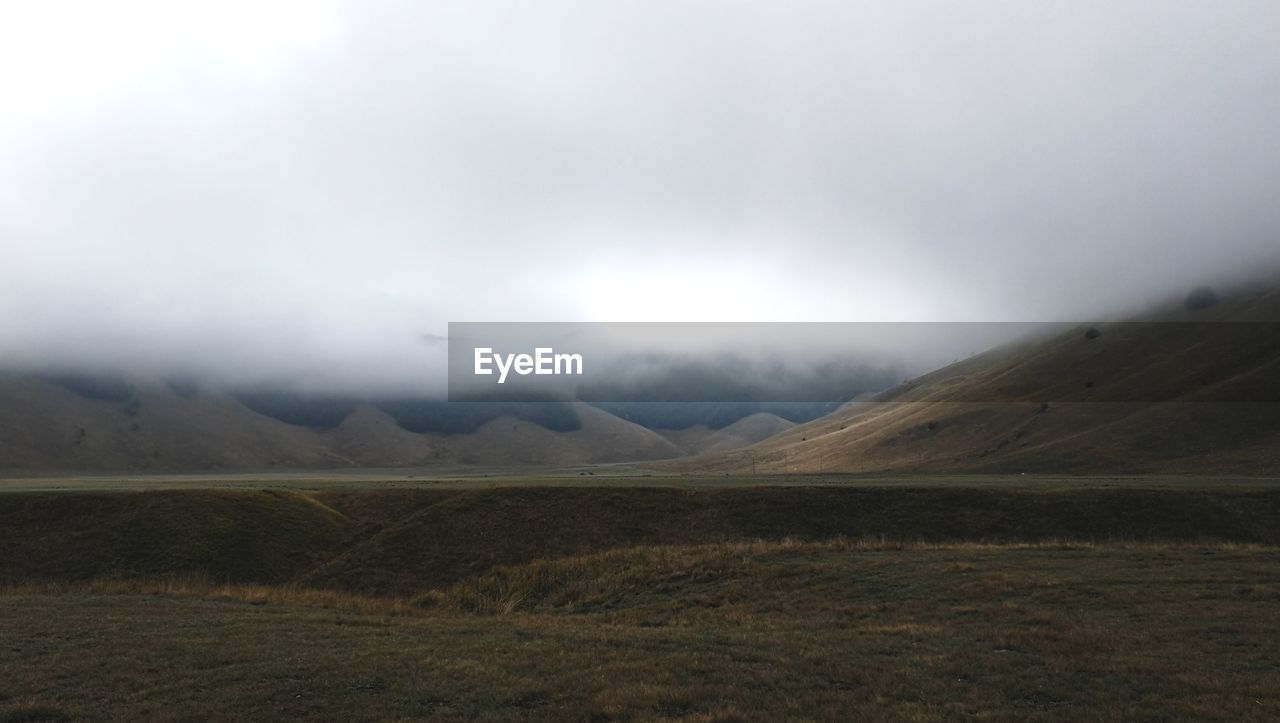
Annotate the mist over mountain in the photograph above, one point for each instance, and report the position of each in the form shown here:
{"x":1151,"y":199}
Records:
{"x":304,"y":198}
{"x":273,"y":216}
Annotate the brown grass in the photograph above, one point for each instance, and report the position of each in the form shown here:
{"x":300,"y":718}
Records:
{"x":643,"y":604}
{"x":845,"y":629}
{"x":406,"y":542}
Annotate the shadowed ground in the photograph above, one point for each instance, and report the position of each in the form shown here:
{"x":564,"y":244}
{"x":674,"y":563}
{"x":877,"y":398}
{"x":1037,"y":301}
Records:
{"x":924,"y":599}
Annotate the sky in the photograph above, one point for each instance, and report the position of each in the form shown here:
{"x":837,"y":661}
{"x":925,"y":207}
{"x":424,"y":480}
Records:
{"x":308,"y":191}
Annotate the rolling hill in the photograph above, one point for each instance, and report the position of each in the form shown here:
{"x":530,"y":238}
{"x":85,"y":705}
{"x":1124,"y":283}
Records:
{"x":49,"y":426}
{"x":408,"y":541}
{"x":701,"y":439}
{"x":1190,"y":387}
{"x":1187,"y":388}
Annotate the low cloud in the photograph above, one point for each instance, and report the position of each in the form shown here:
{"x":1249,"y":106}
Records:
{"x":305,"y":194}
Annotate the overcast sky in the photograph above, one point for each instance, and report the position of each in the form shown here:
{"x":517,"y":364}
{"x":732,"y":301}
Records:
{"x":306,"y":190}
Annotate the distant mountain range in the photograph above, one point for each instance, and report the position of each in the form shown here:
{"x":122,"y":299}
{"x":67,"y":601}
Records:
{"x":85,"y":424}
{"x":1191,"y":387}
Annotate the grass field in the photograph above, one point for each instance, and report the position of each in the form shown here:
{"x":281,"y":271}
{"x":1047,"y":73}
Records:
{"x":933,"y":601}
{"x":764,"y":631}
{"x":604,"y":476}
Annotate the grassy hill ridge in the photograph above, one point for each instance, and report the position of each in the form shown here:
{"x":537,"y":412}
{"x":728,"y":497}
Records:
{"x":1177,"y":391}
{"x":405,"y":542}
{"x":51,"y":426}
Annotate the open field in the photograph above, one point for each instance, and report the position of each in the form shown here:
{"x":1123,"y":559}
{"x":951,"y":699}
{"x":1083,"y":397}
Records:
{"x":602,"y":476}
{"x":392,"y":541}
{"x":765,"y":631}
{"x":642,"y":599}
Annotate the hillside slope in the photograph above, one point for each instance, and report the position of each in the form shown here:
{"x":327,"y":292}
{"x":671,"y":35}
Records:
{"x":46,"y":426}
{"x":406,"y":542}
{"x":49,"y":426}
{"x":1176,"y":391}
{"x":701,"y":439}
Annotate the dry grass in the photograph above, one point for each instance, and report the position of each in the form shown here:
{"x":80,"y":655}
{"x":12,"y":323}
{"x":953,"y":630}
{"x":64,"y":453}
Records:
{"x":201,"y":586}
{"x":440,"y":539}
{"x":642,"y":604}
{"x":837,"y":630}
{"x":614,"y":578}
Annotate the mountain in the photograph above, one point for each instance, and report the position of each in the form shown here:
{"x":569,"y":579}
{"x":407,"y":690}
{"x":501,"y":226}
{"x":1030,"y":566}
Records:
{"x":71,"y":424}
{"x":1189,"y":388}
{"x":701,"y":439}
{"x":46,"y":425}
{"x":601,"y":438}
